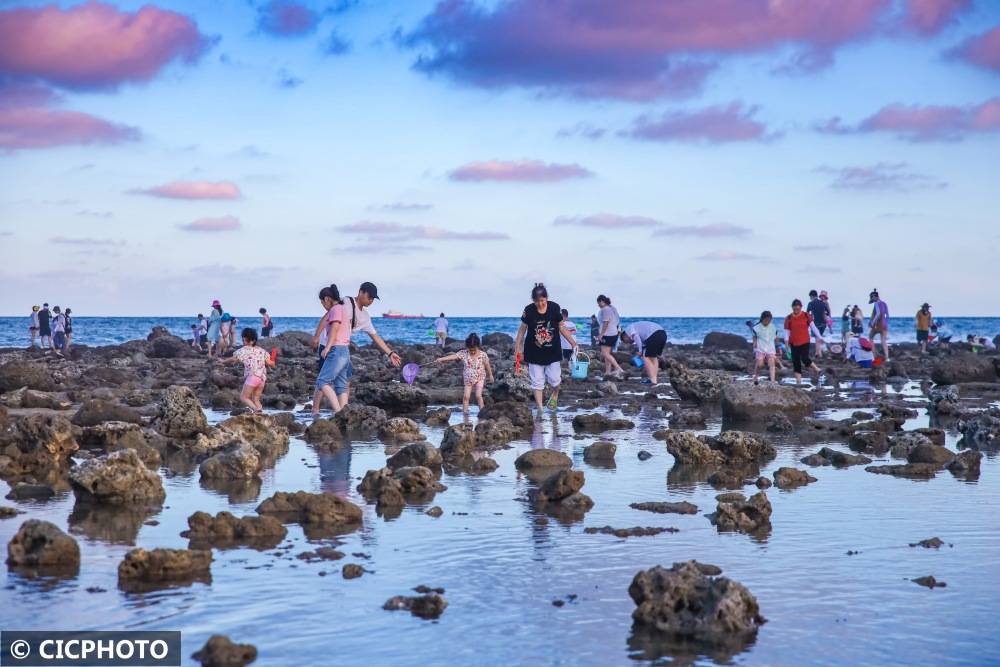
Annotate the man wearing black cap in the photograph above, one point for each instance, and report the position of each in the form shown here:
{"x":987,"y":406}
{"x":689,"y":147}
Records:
{"x":361,"y":320}
{"x":924,"y":322}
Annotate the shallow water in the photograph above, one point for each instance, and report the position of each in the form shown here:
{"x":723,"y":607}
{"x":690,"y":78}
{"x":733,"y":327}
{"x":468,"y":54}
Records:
{"x":502,"y":570}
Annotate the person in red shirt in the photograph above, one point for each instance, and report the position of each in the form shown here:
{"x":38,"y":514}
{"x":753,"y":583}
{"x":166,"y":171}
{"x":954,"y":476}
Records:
{"x":799,"y":324}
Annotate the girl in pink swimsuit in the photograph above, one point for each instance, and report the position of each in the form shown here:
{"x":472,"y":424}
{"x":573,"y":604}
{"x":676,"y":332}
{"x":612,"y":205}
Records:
{"x":476,"y":370}
{"x":255,"y":362}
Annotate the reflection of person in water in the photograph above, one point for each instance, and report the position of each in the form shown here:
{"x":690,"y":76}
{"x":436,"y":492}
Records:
{"x":335,"y":471}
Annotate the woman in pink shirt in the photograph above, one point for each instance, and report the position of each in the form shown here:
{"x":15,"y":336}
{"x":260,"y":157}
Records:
{"x":333,"y":334}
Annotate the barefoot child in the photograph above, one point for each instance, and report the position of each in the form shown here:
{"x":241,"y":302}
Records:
{"x":476,"y":369}
{"x":255,"y":362}
{"x":764,"y":333}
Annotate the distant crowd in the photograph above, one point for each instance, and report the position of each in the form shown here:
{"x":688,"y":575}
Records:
{"x":216,"y":334}
{"x":52,"y":329}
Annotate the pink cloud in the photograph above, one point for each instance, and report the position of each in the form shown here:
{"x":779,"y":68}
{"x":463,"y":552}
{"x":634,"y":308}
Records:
{"x":716,"y":230}
{"x":526,"y":171}
{"x":396,"y":233}
{"x":925,"y":123}
{"x":982,"y":50}
{"x":606,"y":221}
{"x":644,"y":49}
{"x":192,"y":190}
{"x":729,"y":256}
{"x":715,"y":124}
{"x":94,"y":45}
{"x":38,"y":127}
{"x":286,"y":18}
{"x":882,"y":176}
{"x":226,"y":223}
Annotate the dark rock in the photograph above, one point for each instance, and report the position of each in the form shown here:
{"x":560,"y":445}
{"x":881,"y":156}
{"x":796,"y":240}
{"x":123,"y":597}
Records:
{"x":982,"y":431}
{"x":790,"y":478}
{"x":240,"y":462}
{"x":745,"y":402}
{"x":324,"y":432}
{"x":932,"y":543}
{"x":394,"y":397}
{"x":827,"y":456}
{"x":752,"y":515}
{"x":725,"y":341}
{"x":496,"y":432}
{"x":416,"y":454}
{"x":779,"y":423}
{"x":966,"y":464}
{"x":428,"y":606}
{"x":458,"y":442}
{"x":596,"y":423}
{"x":518,"y":413}
{"x":687,"y":418}
{"x":644,"y":455}
{"x":312,"y":508}
{"x":43,"y":546}
{"x":180,"y":414}
{"x":559,"y":486}
{"x":929,"y":582}
{"x":400,"y":429}
{"x":437,"y":417}
{"x":17,"y":374}
{"x":930,"y":453}
{"x":224,"y":530}
{"x":143,"y":570}
{"x":36,"y":444}
{"x":170,"y":347}
{"x":28,"y":491}
{"x":360,"y":420}
{"x":220,"y":651}
{"x":700,"y":386}
{"x":600,"y":452}
{"x":511,"y":388}
{"x":958,"y":368}
{"x":682,"y":507}
{"x":98,"y":411}
{"x":762,"y":483}
{"x":869,"y":442}
{"x":727,"y":478}
{"x":910,"y":470}
{"x":637,"y":531}
{"x":542,"y":458}
{"x":352,"y":571}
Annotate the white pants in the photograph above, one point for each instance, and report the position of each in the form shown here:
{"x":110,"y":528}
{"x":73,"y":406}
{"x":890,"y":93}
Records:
{"x":540,"y":374}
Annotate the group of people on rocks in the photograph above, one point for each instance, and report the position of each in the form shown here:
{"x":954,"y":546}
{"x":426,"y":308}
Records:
{"x":53,"y":329}
{"x":216,"y":334}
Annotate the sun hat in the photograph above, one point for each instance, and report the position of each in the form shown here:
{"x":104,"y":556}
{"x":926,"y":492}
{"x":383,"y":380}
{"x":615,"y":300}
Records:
{"x":216,"y":303}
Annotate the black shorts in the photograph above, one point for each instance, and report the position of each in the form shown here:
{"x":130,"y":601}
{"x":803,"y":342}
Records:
{"x":44,"y":331}
{"x":821,"y":328}
{"x":265,"y":332}
{"x":922,"y":336}
{"x":609,"y":341}
{"x":567,"y":355}
{"x":800,"y":357}
{"x":654,"y":344}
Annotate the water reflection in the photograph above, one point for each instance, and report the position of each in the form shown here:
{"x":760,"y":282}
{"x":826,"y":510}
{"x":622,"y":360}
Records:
{"x":114,"y":524}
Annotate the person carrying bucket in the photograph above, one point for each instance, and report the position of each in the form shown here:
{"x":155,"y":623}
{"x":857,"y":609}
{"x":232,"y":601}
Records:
{"x":476,"y":370}
{"x":567,"y":347}
{"x":541,"y":324}
{"x":648,"y":339}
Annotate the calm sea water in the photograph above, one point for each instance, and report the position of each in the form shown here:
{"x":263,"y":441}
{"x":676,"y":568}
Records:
{"x":114,"y":330}
{"x":502,"y":569}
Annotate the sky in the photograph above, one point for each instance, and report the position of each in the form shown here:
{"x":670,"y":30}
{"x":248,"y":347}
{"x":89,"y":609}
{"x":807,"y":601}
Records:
{"x":684,"y":157}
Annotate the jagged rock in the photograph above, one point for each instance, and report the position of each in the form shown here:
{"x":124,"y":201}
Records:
{"x":930,"y":453}
{"x":682,"y":507}
{"x":966,"y":464}
{"x":428,"y":606}
{"x":324,"y":432}
{"x":360,"y":420}
{"x":958,"y":368}
{"x":511,"y":388}
{"x":496,"y":432}
{"x":728,"y":478}
{"x":827,"y":428}
{"x":896,"y":411}
{"x":400,"y":429}
{"x":498,"y":340}
{"x":224,"y":529}
{"x":240,"y":462}
{"x":180,"y":414}
{"x":559,"y":486}
{"x":700,"y":386}
{"x":827,"y":456}
{"x":311,"y":508}
{"x":981,"y":431}
{"x":261,"y":432}
{"x":29,"y":398}
{"x":600,"y":452}
{"x":352,"y":571}
{"x":729,"y":447}
{"x":118,"y":478}
{"x":932,"y":543}
{"x":929,"y":582}
{"x":542,"y":458}
{"x":901,"y":444}
{"x":143,"y":570}
{"x":688,"y":602}
{"x":687,"y":418}
{"x":752,"y":515}
{"x":790,"y":478}
{"x":170,"y":347}
{"x":418,"y":480}
{"x":519,"y":414}
{"x":689,"y":449}
{"x":909,"y":470}
{"x":416,"y":454}
{"x":35,"y":444}
{"x":382,"y":487}
{"x":458,"y":442}
{"x":438,"y":417}
{"x":869,"y":442}
{"x":42,"y":545}
{"x":17,"y":374}
{"x":637,"y":531}
{"x":26,"y":491}
{"x":98,"y":411}
{"x":762,"y":483}
{"x":596,"y":423}
{"x":220,"y":651}
{"x":779,"y":423}
{"x":114,"y":436}
{"x":744,"y":402}
{"x":394,"y":397}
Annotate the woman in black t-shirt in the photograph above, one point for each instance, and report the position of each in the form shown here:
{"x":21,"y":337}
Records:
{"x":538,"y":343}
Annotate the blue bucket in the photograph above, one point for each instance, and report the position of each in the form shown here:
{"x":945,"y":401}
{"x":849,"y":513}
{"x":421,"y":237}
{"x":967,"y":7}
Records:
{"x":637,"y":360}
{"x":579,"y":368}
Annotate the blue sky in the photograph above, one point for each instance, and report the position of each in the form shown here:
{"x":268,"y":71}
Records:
{"x":322,"y":144}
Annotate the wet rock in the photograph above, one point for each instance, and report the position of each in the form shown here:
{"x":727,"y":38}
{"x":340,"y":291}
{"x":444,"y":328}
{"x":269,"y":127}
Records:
{"x":324,"y":432}
{"x":689,"y":602}
{"x":981,"y":431}
{"x":689,"y":449}
{"x":778,"y":423}
{"x":496,"y":432}
{"x":17,"y":374}
{"x":896,"y":411}
{"x":958,"y":368}
{"x":220,"y":651}
{"x":458,"y":442}
{"x":434,"y":512}
{"x":745,"y":402}
{"x":394,"y":397}
{"x":558,"y":486}
{"x":725,"y":341}
{"x":400,"y":429}
{"x":321,"y":554}
{"x":944,"y":399}
{"x":312,"y":509}
{"x":901,"y":444}
{"x":287,"y":421}
{"x":42,"y":546}
{"x":98,"y":411}
{"x":511,"y":388}
{"x":596,"y":423}
{"x":143,"y":570}
{"x":929,"y":582}
{"x":607,"y":388}
{"x":240,"y":462}
{"x":118,"y":478}
{"x":519,"y":414}
{"x":416,"y":454}
{"x":910,"y":470}
{"x":224,"y":530}
{"x":930,"y":453}
{"x":498,"y":340}
{"x":827,"y":428}
{"x":429,"y":606}
{"x":114,"y":436}
{"x":687,"y":418}
{"x":682,"y":507}
{"x":727,"y":478}
{"x":827,"y":457}
{"x":752,"y":515}
{"x":869,"y":442}
{"x":352,"y":571}
{"x":700,"y":386}
{"x":35,"y":444}
{"x":28,"y":491}
{"x":643,"y":455}
{"x":260,"y":432}
{"x":729,"y":447}
{"x":180,"y":414}
{"x":966,"y":464}
{"x":932,"y":543}
{"x":762,"y":483}
{"x":542,"y":458}
{"x":790,"y":478}
{"x":638,"y":531}
{"x":360,"y":420}
{"x":29,"y":398}
{"x":418,"y":481}
{"x":438,"y":417}
{"x":8,"y":512}
{"x":600,"y":452}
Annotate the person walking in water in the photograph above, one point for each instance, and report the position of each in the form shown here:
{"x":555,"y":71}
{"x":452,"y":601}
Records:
{"x":924,"y":320}
{"x":537,"y":342}
{"x":214,"y":327}
{"x":610,"y":325}
{"x":266,"y":326}
{"x":799,"y":324}
{"x":763,"y":345}
{"x":360,"y":320}
{"x":648,"y":339}
{"x":570,"y":327}
{"x":879,"y":322}
{"x":476,"y":370}
{"x":333,"y":336}
{"x":255,"y":363}
{"x":33,"y":324}
{"x":441,"y":330}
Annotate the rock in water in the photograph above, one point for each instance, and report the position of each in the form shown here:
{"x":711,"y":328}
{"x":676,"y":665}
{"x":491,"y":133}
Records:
{"x":400,"y":429}
{"x":511,"y":388}
{"x":790,"y":478}
{"x":43,"y":546}
{"x":360,"y":420}
{"x":225,"y":530}
{"x":240,"y":462}
{"x":118,"y":478}
{"x":597,"y":423}
{"x":542,"y":458}
{"x":751,"y":515}
{"x":701,"y":386}
{"x":220,"y":651}
{"x":600,"y":452}
{"x":429,"y":606}
{"x":143,"y":570}
{"x":180,"y":414}
{"x":745,"y":402}
{"x":36,"y":444}
{"x":394,"y":397}
{"x":416,"y":454}
{"x":688,"y":602}
{"x":312,"y":509}
{"x":682,"y":507}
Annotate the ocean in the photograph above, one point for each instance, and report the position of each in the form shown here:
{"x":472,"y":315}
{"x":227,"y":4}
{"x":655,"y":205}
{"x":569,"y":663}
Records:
{"x":685,"y":330}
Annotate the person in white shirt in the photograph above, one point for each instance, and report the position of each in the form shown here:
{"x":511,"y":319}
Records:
{"x":857,"y":352}
{"x":648,"y":339}
{"x":441,"y":330}
{"x":610,"y":326}
{"x":763,"y":344}
{"x":570,"y":328}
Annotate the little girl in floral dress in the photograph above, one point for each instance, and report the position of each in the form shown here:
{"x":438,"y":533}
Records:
{"x":476,"y":369}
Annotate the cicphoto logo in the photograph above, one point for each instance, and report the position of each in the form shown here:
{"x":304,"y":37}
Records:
{"x":31,"y":648}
